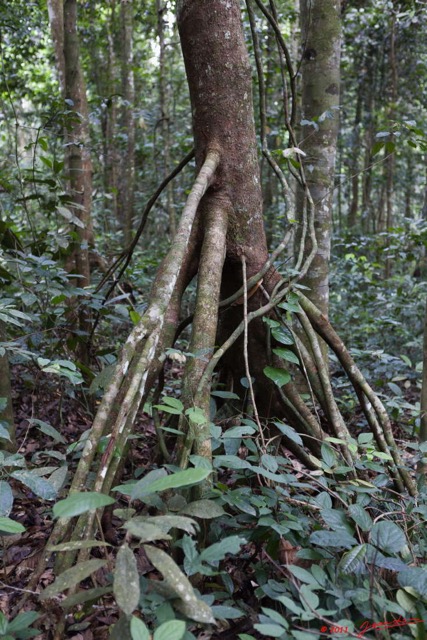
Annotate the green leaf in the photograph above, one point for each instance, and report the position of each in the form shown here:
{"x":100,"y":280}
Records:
{"x":206,"y":509}
{"x":71,"y":577}
{"x":290,"y":604}
{"x":292,"y":307}
{"x":126,"y":580}
{"x":6,"y":498}
{"x":336,"y":519}
{"x":302,"y":574}
{"x":365,"y":438}
{"x":138,"y":629}
{"x":415,"y":577}
{"x":196,"y":415}
{"x":407,"y":602}
{"x":333,"y":539}
{"x":289,"y":432}
{"x":48,"y":430}
{"x":146,"y":481}
{"x":171,"y":630}
{"x":39,"y":486}
{"x":7,"y":525}
{"x":134,"y":316}
{"x":167,"y":409}
{"x":270,"y":630}
{"x":4,"y":431}
{"x":173,"y":402}
{"x":376,"y":147}
{"x":78,"y":503}
{"x":329,"y":456}
{"x":81,"y":597}
{"x":269,"y":462}
{"x":145,"y":531}
{"x":308,"y":598}
{"x":280,"y":377}
{"x":388,"y":537}
{"x":227,"y":613}
{"x":180,"y":585}
{"x":227,"y":395}
{"x":219,"y":550}
{"x":231,"y":462}
{"x":352,"y":559}
{"x":168,"y":522}
{"x":282,"y":335}
{"x":286,"y":354}
{"x":3,"y":623}
{"x":22,"y":621}
{"x":176,"y":480}
{"x":360,"y":516}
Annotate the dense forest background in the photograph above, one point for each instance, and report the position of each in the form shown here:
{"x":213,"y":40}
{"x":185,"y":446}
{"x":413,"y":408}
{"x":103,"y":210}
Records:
{"x":213,"y":231}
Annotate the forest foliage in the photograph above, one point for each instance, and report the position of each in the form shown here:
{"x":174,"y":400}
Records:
{"x":240,"y":537}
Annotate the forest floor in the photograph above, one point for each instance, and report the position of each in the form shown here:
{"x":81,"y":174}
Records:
{"x":46,"y":402}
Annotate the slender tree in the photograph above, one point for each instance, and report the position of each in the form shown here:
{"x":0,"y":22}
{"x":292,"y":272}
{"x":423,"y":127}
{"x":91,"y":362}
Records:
{"x":320,"y":68}
{"x":127,"y":173}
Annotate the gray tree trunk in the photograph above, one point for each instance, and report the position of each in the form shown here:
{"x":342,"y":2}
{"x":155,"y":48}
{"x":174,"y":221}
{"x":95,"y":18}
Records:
{"x":321,"y":38}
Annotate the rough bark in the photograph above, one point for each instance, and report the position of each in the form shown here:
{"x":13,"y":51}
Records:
{"x":219,"y":78}
{"x":321,"y":35}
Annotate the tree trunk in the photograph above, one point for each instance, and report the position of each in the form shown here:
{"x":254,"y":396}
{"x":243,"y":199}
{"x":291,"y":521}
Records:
{"x":321,"y":35}
{"x":219,"y":78}
{"x":56,"y":19}
{"x":164,"y":114}
{"x":127,"y":178}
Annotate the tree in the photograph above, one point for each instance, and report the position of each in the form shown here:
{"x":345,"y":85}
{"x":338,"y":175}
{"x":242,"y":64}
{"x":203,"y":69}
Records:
{"x":321,"y":38}
{"x":220,"y":237}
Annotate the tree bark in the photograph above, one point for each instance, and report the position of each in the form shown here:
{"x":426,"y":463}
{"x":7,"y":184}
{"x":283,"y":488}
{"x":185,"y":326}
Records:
{"x":321,"y":35}
{"x":219,"y":78}
{"x":164,"y":114}
{"x":127,"y":178}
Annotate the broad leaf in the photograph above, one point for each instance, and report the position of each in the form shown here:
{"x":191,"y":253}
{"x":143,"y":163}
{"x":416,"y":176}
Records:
{"x":388,"y":537}
{"x":88,"y":595}
{"x":171,"y":630}
{"x":360,"y":516}
{"x":352,"y":560}
{"x":39,"y":486}
{"x":219,"y":550}
{"x":286,"y":354}
{"x":289,"y":432}
{"x":333,"y":539}
{"x":176,"y":480}
{"x":6,"y":498}
{"x":206,"y":509}
{"x":414,"y":577}
{"x":167,"y":522}
{"x":126,"y":580}
{"x":145,"y":530}
{"x":180,"y":585}
{"x":71,"y":577}
{"x":280,"y":377}
{"x":138,"y":629}
{"x":78,"y":503}
{"x":7,"y":525}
